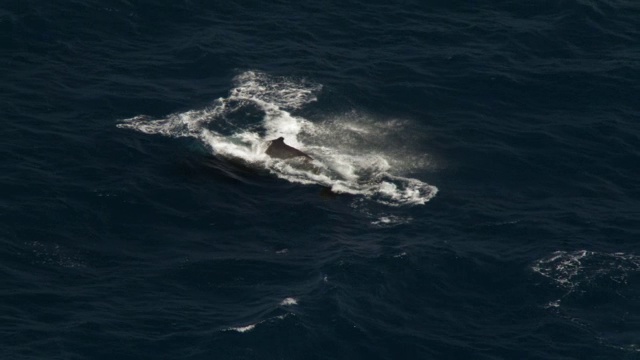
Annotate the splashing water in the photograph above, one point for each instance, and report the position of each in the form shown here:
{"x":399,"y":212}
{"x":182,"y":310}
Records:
{"x":258,"y":109}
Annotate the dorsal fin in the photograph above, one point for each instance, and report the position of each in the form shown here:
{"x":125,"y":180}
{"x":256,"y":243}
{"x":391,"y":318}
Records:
{"x":278,"y":149}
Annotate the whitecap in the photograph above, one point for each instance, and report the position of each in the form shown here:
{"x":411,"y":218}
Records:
{"x":243,"y":329}
{"x":289,"y":301}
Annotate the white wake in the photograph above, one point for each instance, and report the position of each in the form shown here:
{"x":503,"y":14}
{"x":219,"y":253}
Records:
{"x":259,"y":108}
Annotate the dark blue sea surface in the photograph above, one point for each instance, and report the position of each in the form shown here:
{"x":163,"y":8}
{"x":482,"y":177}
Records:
{"x":473,"y":194}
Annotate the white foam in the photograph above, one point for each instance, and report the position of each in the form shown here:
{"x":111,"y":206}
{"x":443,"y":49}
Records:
{"x":243,"y":329}
{"x":570,"y":269}
{"x":282,"y":92}
{"x":553,"y":304}
{"x":289,"y":301}
{"x":349,"y":157}
{"x":391,"y":220}
{"x":580,"y":272}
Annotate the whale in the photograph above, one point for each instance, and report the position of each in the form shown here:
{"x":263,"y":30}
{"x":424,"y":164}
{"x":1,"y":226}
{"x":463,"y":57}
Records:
{"x":279,"y":150}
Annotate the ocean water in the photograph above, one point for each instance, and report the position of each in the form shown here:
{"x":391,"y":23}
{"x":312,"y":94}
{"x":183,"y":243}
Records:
{"x":473,"y":192}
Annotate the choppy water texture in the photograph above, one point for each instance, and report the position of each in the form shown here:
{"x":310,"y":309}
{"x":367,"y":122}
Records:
{"x":473,"y":192}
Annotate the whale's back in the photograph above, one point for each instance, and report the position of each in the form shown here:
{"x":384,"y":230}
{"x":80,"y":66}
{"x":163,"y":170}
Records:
{"x":278,"y":149}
